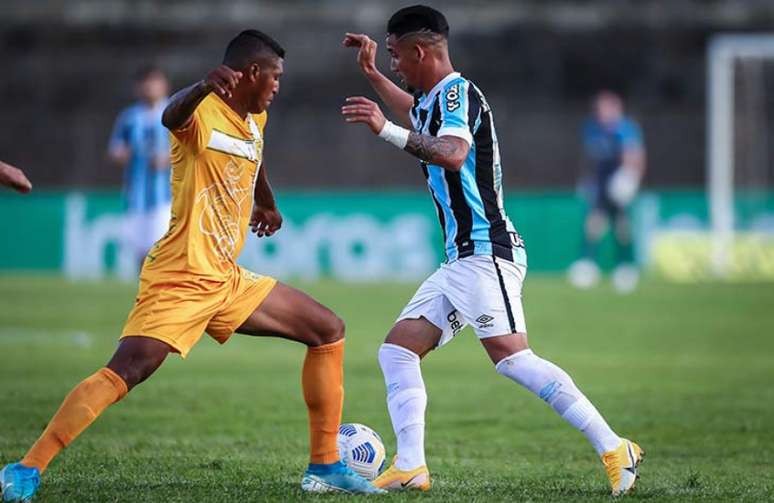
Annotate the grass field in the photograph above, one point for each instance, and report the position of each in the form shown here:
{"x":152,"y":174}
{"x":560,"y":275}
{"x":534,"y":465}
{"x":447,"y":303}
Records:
{"x":687,"y":371}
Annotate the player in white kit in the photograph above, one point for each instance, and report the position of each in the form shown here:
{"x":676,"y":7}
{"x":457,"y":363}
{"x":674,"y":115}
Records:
{"x":453,"y":135}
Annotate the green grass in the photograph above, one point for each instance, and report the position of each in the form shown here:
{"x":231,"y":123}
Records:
{"x":688,"y":371}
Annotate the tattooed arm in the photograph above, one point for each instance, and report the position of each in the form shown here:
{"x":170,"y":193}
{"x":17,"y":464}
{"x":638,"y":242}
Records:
{"x":449,"y":152}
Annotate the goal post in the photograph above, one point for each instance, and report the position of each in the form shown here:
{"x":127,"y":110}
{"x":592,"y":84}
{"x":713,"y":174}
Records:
{"x":724,"y":54}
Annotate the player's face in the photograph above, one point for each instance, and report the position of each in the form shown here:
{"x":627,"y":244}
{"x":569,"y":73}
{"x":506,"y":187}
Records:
{"x":608,"y":109}
{"x":267,"y":86}
{"x":404,"y":60}
{"x":153,"y":88}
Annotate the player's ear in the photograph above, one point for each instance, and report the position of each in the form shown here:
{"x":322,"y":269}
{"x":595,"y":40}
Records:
{"x":418,"y":52}
{"x":253,"y":72}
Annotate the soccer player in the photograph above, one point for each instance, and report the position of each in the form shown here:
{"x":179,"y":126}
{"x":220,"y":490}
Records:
{"x":453,"y":135}
{"x":140,"y":145}
{"x":615,"y":152}
{"x":13,"y":177}
{"x":190,"y":282}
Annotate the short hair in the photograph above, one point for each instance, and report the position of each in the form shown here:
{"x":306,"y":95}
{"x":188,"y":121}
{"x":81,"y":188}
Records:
{"x":146,"y":71}
{"x":250,"y":46}
{"x":418,"y":18}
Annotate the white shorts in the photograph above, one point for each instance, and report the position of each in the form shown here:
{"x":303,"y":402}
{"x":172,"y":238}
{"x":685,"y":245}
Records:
{"x":480,"y":290}
{"x":144,"y":228}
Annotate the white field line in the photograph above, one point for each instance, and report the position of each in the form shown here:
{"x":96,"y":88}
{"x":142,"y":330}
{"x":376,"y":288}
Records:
{"x":13,"y":336}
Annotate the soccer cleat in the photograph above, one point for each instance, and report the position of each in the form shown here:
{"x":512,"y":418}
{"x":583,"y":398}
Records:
{"x":395,"y":479}
{"x":621,"y":466}
{"x":19,"y":482}
{"x":335,"y":477}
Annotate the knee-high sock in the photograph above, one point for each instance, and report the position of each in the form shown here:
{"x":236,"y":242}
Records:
{"x":406,"y":401}
{"x":555,"y":387}
{"x":80,"y":408}
{"x":323,"y":382}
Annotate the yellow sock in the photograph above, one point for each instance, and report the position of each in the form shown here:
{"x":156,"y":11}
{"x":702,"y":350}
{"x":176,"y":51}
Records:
{"x":80,"y":408}
{"x":323,"y":383}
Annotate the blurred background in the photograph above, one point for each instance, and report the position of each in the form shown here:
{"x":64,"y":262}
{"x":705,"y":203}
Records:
{"x":682,"y":364}
{"x":357,"y":205}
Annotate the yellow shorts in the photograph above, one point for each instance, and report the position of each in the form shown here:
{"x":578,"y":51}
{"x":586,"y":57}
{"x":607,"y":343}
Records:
{"x":178,"y":310}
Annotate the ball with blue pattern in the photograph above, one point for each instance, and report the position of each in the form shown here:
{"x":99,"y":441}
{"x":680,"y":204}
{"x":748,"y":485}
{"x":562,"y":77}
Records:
{"x":361,"y":448}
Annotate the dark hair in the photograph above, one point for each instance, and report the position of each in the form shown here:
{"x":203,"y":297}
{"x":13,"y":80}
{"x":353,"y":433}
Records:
{"x":147,"y":71}
{"x":417,"y":18}
{"x":250,"y":46}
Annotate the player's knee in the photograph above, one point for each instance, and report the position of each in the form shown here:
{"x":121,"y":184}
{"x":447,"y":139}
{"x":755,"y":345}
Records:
{"x":332,"y":330}
{"x":137,"y":358}
{"x":133,"y":375}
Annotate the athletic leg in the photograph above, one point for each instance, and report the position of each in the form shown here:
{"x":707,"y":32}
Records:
{"x":428,"y":321}
{"x":134,"y":361}
{"x":594,"y":228}
{"x":514,"y":359}
{"x":291,"y":314}
{"x":399,"y":357}
{"x":625,"y":275}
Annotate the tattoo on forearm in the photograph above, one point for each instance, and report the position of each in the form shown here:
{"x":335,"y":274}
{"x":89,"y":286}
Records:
{"x":429,"y":148}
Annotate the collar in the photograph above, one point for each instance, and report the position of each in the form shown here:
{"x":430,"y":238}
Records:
{"x":441,"y":84}
{"x":247,"y":123}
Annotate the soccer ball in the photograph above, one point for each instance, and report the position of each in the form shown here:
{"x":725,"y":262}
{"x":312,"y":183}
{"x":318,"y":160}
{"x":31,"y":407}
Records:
{"x":361,"y":449}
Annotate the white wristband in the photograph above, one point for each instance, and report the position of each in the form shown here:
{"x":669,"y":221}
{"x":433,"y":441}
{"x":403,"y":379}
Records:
{"x":394,"y":134}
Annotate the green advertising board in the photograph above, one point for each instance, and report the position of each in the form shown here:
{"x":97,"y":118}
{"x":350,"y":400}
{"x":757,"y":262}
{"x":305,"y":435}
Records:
{"x":362,"y":236}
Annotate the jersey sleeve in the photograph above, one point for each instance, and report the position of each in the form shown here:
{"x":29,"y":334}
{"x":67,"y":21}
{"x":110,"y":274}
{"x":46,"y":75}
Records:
{"x":455,"y":111}
{"x":119,"y":137}
{"x":161,"y":140}
{"x":194,"y":134}
{"x":631,"y":136}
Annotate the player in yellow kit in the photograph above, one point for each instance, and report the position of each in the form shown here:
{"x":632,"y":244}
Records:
{"x":190,"y":282}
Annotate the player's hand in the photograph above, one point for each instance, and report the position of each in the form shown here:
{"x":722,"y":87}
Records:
{"x":360,"y":109}
{"x":120,"y":154}
{"x":265,"y":221}
{"x":222,"y":80}
{"x":366,"y":55}
{"x":14,"y":178}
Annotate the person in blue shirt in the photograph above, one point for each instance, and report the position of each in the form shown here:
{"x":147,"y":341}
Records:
{"x":140,"y":145}
{"x":615,"y":153}
{"x":448,"y":125}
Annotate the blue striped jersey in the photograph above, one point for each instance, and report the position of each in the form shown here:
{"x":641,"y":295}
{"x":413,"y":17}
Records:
{"x":469,"y":203}
{"x":139,"y":129}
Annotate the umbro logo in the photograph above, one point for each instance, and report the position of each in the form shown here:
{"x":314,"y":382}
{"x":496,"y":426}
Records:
{"x":483,"y":321}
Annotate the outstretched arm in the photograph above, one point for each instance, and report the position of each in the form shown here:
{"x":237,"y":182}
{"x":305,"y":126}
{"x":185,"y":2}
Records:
{"x":266,"y":218}
{"x":449,"y":152}
{"x":14,"y":178}
{"x":396,"y":99}
{"x":184,"y":102}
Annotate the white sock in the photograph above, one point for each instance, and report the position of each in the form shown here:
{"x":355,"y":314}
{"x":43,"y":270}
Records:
{"x":555,"y":387}
{"x":406,"y":401}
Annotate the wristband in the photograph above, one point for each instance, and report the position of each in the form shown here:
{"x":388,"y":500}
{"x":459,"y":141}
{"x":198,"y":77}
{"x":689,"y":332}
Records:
{"x":392,"y":133}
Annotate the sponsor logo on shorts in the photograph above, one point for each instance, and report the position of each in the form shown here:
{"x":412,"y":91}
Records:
{"x":454,"y":322}
{"x":484,"y":321}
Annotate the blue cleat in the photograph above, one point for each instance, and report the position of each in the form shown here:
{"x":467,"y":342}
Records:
{"x":18,"y":482}
{"x":336,"y":477}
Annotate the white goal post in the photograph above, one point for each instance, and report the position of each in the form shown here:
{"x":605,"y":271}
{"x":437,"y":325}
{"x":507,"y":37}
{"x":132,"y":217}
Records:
{"x":723,"y":51}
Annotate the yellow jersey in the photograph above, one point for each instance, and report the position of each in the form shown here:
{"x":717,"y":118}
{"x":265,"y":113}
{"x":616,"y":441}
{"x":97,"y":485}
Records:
{"x":215,"y":161}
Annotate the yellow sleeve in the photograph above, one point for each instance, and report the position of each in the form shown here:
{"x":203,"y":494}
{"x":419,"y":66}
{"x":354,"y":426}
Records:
{"x":195,"y":134}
